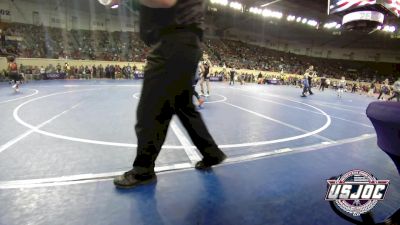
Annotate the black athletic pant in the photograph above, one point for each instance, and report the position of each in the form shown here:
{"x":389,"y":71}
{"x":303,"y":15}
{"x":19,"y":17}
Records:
{"x":305,"y":90}
{"x":195,"y":93}
{"x":167,"y":90}
{"x":232,"y":80}
{"x":380,"y":94}
{"x":309,"y":87}
{"x":322,"y":86}
{"x":396,"y":95}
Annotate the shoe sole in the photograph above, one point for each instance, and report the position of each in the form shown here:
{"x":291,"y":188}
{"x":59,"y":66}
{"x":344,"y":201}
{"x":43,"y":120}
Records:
{"x":209,"y":167}
{"x":154,"y":180}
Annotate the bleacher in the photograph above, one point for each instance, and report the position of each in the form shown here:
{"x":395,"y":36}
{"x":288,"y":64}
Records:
{"x":57,"y":43}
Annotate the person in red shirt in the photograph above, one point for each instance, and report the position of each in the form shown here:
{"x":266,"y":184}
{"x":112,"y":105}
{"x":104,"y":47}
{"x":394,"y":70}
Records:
{"x":13,"y":72}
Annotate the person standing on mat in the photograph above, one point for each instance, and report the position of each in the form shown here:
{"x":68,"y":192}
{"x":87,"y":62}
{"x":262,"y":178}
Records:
{"x":384,"y":89}
{"x":173,"y":29}
{"x":396,"y":90}
{"x":205,"y":77}
{"x":232,"y":77}
{"x":195,"y":81}
{"x":13,"y":74}
{"x":306,"y":85}
{"x":371,"y":90}
{"x":323,"y":83}
{"x":341,"y":88}
{"x":311,"y":74}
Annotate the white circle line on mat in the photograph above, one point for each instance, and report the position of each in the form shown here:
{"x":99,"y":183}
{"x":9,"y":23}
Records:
{"x":224,"y":99}
{"x":23,"y":97}
{"x":130,"y":145}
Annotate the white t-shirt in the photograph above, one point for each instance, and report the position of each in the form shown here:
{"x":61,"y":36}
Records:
{"x":396,"y":86}
{"x":342,"y":83}
{"x":198,"y":71}
{"x":328,"y":82}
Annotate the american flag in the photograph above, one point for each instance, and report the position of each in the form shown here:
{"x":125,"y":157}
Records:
{"x":342,"y":5}
{"x":394,"y":6}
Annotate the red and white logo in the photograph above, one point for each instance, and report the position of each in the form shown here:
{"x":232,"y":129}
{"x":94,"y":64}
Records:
{"x":342,"y":5}
{"x":394,"y":6}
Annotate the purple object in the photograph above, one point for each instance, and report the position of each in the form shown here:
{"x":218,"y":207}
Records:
{"x":385,"y":116}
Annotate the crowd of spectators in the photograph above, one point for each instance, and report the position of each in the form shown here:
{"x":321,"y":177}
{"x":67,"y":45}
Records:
{"x":46,"y":42}
{"x":57,"y":43}
{"x":241,"y":55}
{"x":99,"y":71}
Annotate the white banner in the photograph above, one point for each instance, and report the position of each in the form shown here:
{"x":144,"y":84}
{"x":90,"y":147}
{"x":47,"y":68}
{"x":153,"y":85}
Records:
{"x":364,"y":15}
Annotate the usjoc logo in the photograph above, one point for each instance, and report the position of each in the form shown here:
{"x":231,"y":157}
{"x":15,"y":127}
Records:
{"x":356,"y":192}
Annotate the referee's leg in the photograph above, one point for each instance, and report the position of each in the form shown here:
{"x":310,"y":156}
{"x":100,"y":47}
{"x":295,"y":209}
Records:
{"x":187,"y":58}
{"x":154,"y":113}
{"x":198,"y":132}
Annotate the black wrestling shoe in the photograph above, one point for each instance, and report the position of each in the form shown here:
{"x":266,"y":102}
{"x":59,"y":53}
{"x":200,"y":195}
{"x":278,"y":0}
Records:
{"x":207,"y":164}
{"x":132,"y":179}
{"x":303,"y":96}
{"x":393,"y":219}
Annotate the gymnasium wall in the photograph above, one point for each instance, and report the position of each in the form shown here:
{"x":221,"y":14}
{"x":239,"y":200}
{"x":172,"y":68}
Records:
{"x":45,"y":62}
{"x":140,"y":65}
